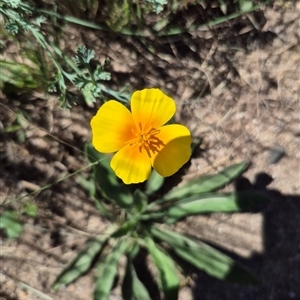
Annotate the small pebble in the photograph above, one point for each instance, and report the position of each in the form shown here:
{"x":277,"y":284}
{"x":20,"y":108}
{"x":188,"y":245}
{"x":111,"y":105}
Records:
{"x":276,"y":153}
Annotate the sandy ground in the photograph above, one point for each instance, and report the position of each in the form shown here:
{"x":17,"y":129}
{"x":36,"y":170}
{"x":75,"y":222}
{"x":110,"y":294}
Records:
{"x":237,"y":86}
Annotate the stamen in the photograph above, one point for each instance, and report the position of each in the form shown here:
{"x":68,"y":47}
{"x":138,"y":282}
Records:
{"x":146,"y":140}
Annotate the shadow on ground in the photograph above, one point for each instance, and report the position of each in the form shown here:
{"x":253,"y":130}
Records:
{"x":278,"y":268}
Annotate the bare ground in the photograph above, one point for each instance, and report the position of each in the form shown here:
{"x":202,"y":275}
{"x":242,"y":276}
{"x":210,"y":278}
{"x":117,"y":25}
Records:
{"x":238,"y":87}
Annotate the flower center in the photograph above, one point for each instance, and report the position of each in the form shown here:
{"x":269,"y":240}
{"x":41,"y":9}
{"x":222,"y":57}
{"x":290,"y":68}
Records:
{"x":146,"y":140}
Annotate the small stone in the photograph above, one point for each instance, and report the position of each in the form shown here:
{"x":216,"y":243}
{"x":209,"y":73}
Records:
{"x":276,"y":153}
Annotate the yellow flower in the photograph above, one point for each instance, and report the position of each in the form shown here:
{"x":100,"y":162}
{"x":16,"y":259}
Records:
{"x":140,"y":137}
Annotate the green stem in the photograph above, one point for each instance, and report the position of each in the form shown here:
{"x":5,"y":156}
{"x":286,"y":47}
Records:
{"x":164,"y":33}
{"x":49,"y":185}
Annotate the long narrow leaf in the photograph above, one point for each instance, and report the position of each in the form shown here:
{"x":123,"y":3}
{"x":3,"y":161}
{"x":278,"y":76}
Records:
{"x":107,"y":180}
{"x":107,"y":270}
{"x":154,"y":183}
{"x":132,"y":287}
{"x":204,"y":257}
{"x":127,"y":284}
{"x":210,"y":203}
{"x":207,"y":183}
{"x":81,"y":264}
{"x":168,"y":278}
{"x":140,"y":201}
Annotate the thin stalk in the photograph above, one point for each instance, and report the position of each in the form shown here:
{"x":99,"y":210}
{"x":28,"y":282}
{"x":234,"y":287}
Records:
{"x":50,"y":184}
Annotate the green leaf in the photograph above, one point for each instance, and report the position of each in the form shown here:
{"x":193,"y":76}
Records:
{"x":132,"y":287}
{"x":157,"y":5}
{"x":133,"y":252}
{"x":81,"y":264}
{"x":245,"y":5}
{"x":83,"y":55}
{"x":13,"y":3}
{"x":99,"y":74}
{"x":154,"y":183}
{"x":107,"y":180}
{"x":15,"y":76}
{"x":30,"y":209}
{"x":102,"y":208}
{"x":161,"y":24}
{"x":197,"y":141}
{"x":223,"y":7}
{"x":10,"y":223}
{"x":127,"y":284}
{"x":107,"y":270}
{"x":87,"y":185}
{"x":125,"y":228}
{"x":39,"y":20}
{"x":88,"y":94}
{"x":169,"y":280}
{"x":140,"y":200}
{"x":207,"y":183}
{"x":204,"y":257}
{"x":210,"y":203}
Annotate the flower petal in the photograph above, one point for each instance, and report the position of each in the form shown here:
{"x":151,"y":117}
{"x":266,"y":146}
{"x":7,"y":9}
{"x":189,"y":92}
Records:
{"x":176,"y":150}
{"x":151,"y":108}
{"x":112,"y":127}
{"x":131,"y":165}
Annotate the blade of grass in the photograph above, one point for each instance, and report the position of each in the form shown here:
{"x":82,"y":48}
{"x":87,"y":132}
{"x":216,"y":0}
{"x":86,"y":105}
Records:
{"x":25,"y":286}
{"x":146,"y":33}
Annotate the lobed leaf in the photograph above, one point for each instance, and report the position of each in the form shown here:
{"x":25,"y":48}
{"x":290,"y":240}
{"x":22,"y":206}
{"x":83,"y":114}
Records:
{"x":107,"y":270}
{"x":87,"y":93}
{"x":83,"y":55}
{"x":207,"y":183}
{"x":10,"y":223}
{"x":210,"y":203}
{"x":81,"y":264}
{"x":204,"y":257}
{"x":99,"y":74}
{"x":30,"y":209}
{"x":167,"y":273}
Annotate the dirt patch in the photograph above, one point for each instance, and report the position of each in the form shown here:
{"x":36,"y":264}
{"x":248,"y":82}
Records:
{"x":237,"y":86}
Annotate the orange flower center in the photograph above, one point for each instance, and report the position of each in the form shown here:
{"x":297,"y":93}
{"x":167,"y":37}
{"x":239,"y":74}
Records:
{"x":146,"y":140}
